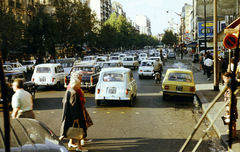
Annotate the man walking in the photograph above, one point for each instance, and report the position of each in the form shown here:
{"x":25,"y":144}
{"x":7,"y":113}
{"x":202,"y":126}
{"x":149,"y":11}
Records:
{"x":222,"y":68}
{"x":22,"y":103}
{"x":208,"y":65}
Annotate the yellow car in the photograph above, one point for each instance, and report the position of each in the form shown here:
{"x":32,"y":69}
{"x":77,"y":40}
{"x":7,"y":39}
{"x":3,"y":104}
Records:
{"x":178,"y":82}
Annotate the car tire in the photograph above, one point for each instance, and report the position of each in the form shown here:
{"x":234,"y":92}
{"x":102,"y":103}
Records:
{"x":135,"y":96}
{"x":140,"y":77}
{"x":98,"y":102}
{"x":33,"y":95}
{"x":92,"y":89}
{"x":130,"y":102}
{"x":57,"y":86}
{"x":191,"y":98}
{"x":164,"y":96}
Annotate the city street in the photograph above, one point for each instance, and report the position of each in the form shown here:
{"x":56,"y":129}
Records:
{"x":150,"y":125}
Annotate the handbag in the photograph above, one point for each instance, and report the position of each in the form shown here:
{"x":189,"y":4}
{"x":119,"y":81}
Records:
{"x":75,"y":133}
{"x":226,"y":119}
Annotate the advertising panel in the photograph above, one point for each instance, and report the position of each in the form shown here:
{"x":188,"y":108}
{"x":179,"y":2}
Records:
{"x":209,"y":29}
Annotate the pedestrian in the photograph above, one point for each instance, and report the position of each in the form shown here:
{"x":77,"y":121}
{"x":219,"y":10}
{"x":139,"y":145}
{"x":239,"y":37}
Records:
{"x":222,"y":67}
{"x":208,"y":65}
{"x":181,"y":54}
{"x":22,"y":102}
{"x":72,"y":112}
{"x":201,"y":62}
{"x":231,"y":65}
{"x":227,"y":95}
{"x":88,"y":120}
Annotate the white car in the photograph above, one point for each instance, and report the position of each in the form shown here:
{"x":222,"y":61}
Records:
{"x":130,"y":61}
{"x":18,"y":66}
{"x":116,"y":84}
{"x":142,"y":56}
{"x":29,"y":64}
{"x":111,"y":64}
{"x":122,"y":56}
{"x":155,"y":58}
{"x":146,"y":68}
{"x":115,"y":58}
{"x":50,"y":74}
{"x":8,"y":68}
{"x":101,"y":59}
{"x":68,"y":63}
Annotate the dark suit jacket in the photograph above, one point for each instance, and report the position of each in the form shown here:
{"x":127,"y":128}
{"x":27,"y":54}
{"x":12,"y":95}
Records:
{"x":222,"y":66}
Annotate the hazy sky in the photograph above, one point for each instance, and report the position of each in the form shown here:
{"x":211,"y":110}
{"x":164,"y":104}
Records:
{"x":155,"y":10}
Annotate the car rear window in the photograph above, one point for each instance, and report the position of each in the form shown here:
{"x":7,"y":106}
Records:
{"x":83,"y":69}
{"x":184,"y":77}
{"x":109,"y":77}
{"x":128,"y":59}
{"x":106,"y":65}
{"x":147,"y":63}
{"x":114,"y":58}
{"x":43,"y":70}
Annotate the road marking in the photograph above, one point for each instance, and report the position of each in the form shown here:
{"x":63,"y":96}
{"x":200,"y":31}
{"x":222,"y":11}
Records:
{"x":108,"y":112}
{"x":122,"y":112}
{"x":52,"y":112}
{"x":137,"y":113}
{"x":94,"y":112}
{"x":38,"y":112}
{"x":150,"y":94}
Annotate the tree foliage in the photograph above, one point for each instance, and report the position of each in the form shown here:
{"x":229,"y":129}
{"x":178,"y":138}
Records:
{"x":10,"y":32}
{"x":169,"y":38}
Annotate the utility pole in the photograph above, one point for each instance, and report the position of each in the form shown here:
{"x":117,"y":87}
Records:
{"x":215,"y":40}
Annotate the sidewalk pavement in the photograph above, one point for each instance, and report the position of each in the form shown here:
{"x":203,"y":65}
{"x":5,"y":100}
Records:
{"x":205,"y":93}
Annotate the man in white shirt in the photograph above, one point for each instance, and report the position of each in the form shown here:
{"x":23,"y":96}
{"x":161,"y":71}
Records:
{"x":22,"y":103}
{"x":208,"y":65}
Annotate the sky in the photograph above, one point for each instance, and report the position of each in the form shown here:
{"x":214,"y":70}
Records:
{"x":155,"y":10}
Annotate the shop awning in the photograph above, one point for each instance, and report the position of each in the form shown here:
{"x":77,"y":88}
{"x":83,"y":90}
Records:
{"x":192,"y":44}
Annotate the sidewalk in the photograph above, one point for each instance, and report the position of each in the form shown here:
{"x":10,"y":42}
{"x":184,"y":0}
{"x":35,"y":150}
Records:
{"x":205,"y":93}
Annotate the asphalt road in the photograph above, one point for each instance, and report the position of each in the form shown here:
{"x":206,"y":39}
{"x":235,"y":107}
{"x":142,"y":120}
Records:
{"x":150,"y":125}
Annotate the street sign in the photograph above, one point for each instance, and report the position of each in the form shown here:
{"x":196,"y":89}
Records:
{"x":230,"y":31}
{"x":230,"y":41}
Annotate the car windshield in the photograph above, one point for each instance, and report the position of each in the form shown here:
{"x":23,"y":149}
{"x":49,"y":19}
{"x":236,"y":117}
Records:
{"x":147,"y":63}
{"x":143,"y":55}
{"x":128,"y":59}
{"x":108,"y":77}
{"x":100,"y":60}
{"x":185,"y":77}
{"x":27,"y":63}
{"x":84,"y":69}
{"x":13,"y":65}
{"x":106,"y":65}
{"x":153,"y":58}
{"x":43,"y":70}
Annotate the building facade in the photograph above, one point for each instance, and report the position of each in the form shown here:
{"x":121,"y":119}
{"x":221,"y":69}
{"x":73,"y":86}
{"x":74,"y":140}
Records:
{"x":144,"y":24}
{"x":102,"y":8}
{"x":118,"y":9}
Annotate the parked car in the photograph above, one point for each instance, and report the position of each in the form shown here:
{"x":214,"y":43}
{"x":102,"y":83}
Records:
{"x":27,"y":85}
{"x":17,"y":66}
{"x":115,"y":58}
{"x":178,"y":82}
{"x":90,"y":75}
{"x":171,"y":55}
{"x":29,"y":135}
{"x":116,"y":84}
{"x":50,"y":74}
{"x":130,"y":61}
{"x":8,"y":68}
{"x":122,"y":56}
{"x":111,"y":64}
{"x":146,"y":68}
{"x":29,"y":64}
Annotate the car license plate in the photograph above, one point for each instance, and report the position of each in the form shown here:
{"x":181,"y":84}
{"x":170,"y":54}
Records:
{"x":112,"y":91}
{"x":179,"y":88}
{"x":42,"y":79}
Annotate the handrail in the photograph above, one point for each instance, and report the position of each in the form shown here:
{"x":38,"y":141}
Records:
{"x":203,"y":116}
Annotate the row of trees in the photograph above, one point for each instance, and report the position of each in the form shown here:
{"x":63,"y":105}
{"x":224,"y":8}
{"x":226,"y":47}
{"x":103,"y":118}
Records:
{"x":73,"y":25}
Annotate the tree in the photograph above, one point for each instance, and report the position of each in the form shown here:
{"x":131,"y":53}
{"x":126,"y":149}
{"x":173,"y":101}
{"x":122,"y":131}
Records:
{"x":108,"y":37}
{"x":169,"y":38}
{"x":10,"y":32}
{"x":40,"y":34}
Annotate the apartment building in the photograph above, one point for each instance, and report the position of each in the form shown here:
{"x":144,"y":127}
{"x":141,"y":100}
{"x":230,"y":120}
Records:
{"x":144,"y":24}
{"x":22,"y":9}
{"x":118,"y":9}
{"x":102,"y":8}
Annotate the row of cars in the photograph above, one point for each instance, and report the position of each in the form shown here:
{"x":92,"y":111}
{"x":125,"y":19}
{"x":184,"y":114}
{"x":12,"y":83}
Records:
{"x":25,"y":67}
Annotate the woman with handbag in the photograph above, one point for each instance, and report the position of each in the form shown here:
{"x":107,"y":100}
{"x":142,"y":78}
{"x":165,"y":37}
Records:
{"x":88,"y":120}
{"x":226,"y":77}
{"x":73,"y":113}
